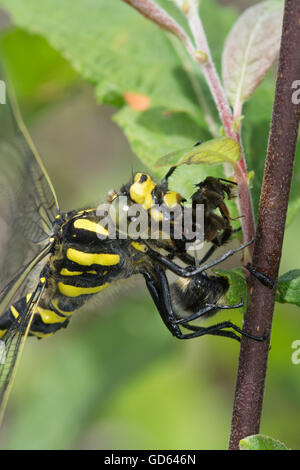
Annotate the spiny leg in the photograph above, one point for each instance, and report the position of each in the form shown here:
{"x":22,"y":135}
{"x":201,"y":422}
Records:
{"x":228,"y":334}
{"x":155,"y":290}
{"x":206,"y":309}
{"x":164,"y":181}
{"x":190,"y":271}
{"x":263,"y":278}
{"x":224,"y":238}
{"x":218,"y":329}
{"x":170,"y":318}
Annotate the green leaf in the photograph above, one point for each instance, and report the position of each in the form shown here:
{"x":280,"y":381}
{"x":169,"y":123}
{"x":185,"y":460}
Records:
{"x":214,"y":151}
{"x":261,"y":442}
{"x":40,"y":75}
{"x":119,"y":51}
{"x":288,"y":288}
{"x":111,"y":45}
{"x":155,"y":132}
{"x":238,"y":289}
{"x":250,"y":50}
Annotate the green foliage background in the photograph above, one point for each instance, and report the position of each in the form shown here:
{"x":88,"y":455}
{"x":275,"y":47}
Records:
{"x":116,"y":378}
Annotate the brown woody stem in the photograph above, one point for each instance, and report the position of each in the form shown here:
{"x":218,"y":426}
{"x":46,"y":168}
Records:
{"x":270,"y":232}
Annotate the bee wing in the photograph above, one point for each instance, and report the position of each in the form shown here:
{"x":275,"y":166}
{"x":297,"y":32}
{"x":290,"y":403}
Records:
{"x":12,"y":344}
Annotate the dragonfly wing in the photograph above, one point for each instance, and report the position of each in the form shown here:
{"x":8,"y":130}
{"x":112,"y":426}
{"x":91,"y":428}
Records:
{"x":28,"y":204}
{"x":28,"y":207}
{"x":12,"y":344}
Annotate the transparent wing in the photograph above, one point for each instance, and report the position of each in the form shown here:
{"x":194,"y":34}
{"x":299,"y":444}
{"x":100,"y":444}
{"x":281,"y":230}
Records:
{"x":11,"y":347}
{"x":28,"y":207}
{"x":28,"y":204}
{"x":16,"y":287}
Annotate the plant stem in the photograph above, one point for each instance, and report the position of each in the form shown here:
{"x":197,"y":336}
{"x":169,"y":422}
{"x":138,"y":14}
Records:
{"x":218,"y":93}
{"x":270,"y":232}
{"x":203,"y":56}
{"x":209,"y":69}
{"x":159,"y":16}
{"x":186,"y":63}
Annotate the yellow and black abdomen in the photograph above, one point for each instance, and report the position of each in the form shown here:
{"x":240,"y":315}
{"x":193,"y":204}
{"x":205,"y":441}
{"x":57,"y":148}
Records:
{"x":44,"y":323}
{"x":81,"y":265}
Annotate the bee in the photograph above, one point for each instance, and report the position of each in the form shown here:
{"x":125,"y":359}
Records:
{"x":211,"y":194}
{"x":199,"y":296}
{"x":52,"y":262}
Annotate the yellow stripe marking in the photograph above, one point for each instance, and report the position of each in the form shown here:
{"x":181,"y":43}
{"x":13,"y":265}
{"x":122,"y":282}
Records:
{"x":48,"y":316}
{"x":139,"y":246}
{"x":38,"y":334}
{"x":156,"y":215}
{"x":88,"y":259}
{"x":63,"y":312}
{"x":73,"y":291}
{"x":2,"y":333}
{"x":171,"y":198}
{"x":66,"y":272}
{"x":86,"y":224}
{"x":14,"y":311}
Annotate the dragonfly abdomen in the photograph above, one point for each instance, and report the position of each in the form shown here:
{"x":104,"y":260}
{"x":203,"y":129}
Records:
{"x":44,"y":323}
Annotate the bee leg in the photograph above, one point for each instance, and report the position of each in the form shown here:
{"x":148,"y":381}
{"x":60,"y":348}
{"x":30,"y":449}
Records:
{"x":263,"y":278}
{"x":206,"y":309}
{"x":227,"y":307}
{"x":190,"y":271}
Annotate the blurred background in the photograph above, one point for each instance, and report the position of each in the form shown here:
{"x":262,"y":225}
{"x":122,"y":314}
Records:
{"x":115,"y":378}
